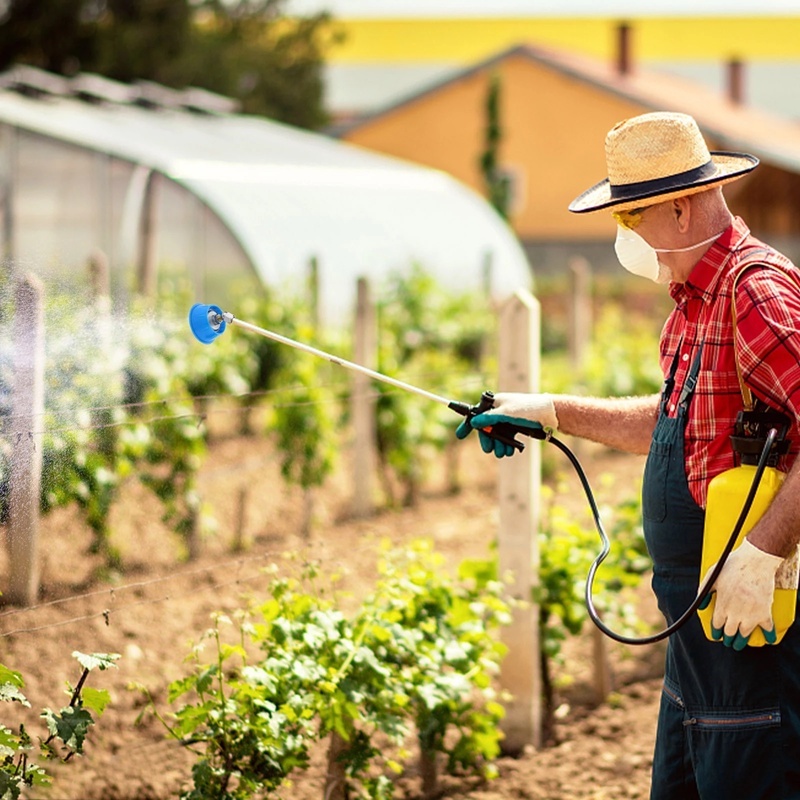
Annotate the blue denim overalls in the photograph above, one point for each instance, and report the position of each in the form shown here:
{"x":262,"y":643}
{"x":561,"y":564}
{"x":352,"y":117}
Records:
{"x":729,"y":722}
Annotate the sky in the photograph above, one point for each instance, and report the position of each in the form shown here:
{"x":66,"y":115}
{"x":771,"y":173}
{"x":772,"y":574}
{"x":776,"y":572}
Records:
{"x":555,"y":8}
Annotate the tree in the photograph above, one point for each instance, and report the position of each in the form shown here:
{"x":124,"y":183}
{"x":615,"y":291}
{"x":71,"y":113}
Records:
{"x":141,"y":40}
{"x":249,"y":50}
{"x":245,"y":49}
{"x":57,"y":36}
{"x":496,"y":182}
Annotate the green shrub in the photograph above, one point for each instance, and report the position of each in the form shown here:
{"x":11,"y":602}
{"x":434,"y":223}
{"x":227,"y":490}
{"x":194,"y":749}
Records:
{"x":67,"y":728}
{"x":418,"y":652}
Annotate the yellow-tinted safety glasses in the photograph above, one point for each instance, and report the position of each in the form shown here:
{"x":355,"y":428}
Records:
{"x":631,"y":218}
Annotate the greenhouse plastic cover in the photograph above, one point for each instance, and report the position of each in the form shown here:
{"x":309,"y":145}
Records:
{"x":288,"y":195}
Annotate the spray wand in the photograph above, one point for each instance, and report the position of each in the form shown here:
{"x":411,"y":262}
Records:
{"x":207,"y":322}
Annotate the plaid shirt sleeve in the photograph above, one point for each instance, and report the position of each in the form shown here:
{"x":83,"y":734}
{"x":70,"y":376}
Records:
{"x":768,"y":336}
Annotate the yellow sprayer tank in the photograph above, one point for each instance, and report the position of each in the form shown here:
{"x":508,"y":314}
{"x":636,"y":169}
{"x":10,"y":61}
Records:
{"x":726,"y":496}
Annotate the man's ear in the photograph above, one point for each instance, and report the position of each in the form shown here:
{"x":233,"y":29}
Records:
{"x":681,"y":210}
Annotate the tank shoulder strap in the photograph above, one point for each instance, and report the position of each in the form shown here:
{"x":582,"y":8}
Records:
{"x":753,"y":259}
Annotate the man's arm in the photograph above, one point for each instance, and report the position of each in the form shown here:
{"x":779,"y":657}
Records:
{"x":778,"y":530}
{"x":768,"y":336}
{"x":624,"y":423}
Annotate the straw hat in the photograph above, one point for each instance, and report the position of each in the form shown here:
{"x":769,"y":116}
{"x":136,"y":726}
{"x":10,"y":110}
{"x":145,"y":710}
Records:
{"x":659,"y":156}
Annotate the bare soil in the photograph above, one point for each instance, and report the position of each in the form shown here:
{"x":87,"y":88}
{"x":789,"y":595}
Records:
{"x":153,"y":610}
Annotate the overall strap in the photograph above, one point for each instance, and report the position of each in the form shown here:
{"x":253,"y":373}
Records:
{"x":690,"y":384}
{"x":669,"y":381}
{"x":754,"y":259}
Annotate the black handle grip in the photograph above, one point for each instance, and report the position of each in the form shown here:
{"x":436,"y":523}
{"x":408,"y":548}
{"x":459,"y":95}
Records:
{"x":502,"y":431}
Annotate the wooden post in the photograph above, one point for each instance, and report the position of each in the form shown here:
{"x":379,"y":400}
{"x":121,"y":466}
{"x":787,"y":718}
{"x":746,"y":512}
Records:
{"x":194,"y":534}
{"x":99,"y":277}
{"x":8,"y":155}
{"x":336,"y":775}
{"x":239,"y":533}
{"x":100,"y":287}
{"x":519,"y":483}
{"x":313,"y":291}
{"x":487,"y":275}
{"x":147,"y":250}
{"x":363,"y":405}
{"x":26,"y":454}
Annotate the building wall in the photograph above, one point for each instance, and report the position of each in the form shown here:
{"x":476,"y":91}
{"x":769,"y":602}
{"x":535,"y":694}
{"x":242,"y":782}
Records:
{"x":554,"y":125}
{"x":560,"y":152}
{"x":553,"y":131}
{"x":379,"y":61}
{"x":551,"y":158}
{"x":468,"y":39}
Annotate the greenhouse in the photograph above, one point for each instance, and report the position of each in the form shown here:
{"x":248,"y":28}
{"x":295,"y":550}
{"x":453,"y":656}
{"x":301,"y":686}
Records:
{"x":168,"y":184}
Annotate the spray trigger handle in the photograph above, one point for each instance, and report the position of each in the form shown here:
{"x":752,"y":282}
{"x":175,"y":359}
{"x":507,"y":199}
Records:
{"x":502,"y":431}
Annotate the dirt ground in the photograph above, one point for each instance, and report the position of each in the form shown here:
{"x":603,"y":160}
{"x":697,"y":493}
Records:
{"x":159,"y":605}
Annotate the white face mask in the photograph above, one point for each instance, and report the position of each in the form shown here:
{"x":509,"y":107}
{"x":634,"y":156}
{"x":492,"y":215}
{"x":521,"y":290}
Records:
{"x":640,"y":258}
{"x":636,"y":255}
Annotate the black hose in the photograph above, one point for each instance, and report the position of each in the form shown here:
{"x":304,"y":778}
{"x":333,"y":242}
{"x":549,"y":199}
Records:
{"x":657,"y":637}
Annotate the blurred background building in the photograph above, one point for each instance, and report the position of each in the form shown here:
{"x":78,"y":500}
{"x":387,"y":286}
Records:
{"x":413,"y":79}
{"x":554,"y":109}
{"x":394,"y":48}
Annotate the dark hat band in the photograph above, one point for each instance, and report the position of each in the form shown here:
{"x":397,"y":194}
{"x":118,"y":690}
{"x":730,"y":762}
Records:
{"x":625,"y":191}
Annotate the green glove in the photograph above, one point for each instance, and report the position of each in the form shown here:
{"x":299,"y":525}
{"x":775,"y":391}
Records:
{"x":535,"y":412}
{"x":487,"y":442}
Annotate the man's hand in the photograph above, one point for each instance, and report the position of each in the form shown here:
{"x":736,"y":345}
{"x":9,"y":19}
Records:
{"x":744,"y":590}
{"x":535,"y":411}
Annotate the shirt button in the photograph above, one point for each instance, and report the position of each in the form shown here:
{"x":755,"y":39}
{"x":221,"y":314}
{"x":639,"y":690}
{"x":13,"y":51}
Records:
{"x":672,"y":407}
{"x":685,"y":357}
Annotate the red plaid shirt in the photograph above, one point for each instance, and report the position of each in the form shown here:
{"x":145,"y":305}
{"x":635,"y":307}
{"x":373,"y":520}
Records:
{"x":768,"y":331}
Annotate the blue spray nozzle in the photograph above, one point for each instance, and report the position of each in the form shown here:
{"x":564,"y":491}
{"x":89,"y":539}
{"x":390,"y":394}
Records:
{"x":206,"y":322}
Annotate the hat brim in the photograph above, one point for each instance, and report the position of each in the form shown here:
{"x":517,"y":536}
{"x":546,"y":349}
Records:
{"x":728,"y":167}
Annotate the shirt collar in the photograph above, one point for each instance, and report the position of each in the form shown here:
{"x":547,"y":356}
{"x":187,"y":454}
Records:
{"x":704,"y":278}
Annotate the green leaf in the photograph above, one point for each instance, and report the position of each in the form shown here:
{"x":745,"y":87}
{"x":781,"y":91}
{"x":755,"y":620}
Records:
{"x":228,"y":651}
{"x":495,"y":709}
{"x":302,"y":669}
{"x":10,"y":693}
{"x":71,"y":726}
{"x":10,"y":788}
{"x":99,"y":661}
{"x":192,"y":718}
{"x":95,"y":699}
{"x":180,"y":687}
{"x":205,"y":679}
{"x":10,"y":676}
{"x":9,"y":742}
{"x":395,"y":766}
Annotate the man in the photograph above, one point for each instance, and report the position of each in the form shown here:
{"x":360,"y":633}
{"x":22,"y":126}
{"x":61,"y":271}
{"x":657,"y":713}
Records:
{"x":729,"y":722}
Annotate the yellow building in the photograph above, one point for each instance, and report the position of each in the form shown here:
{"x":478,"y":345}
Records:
{"x":555,"y":110}
{"x":391,"y":50}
